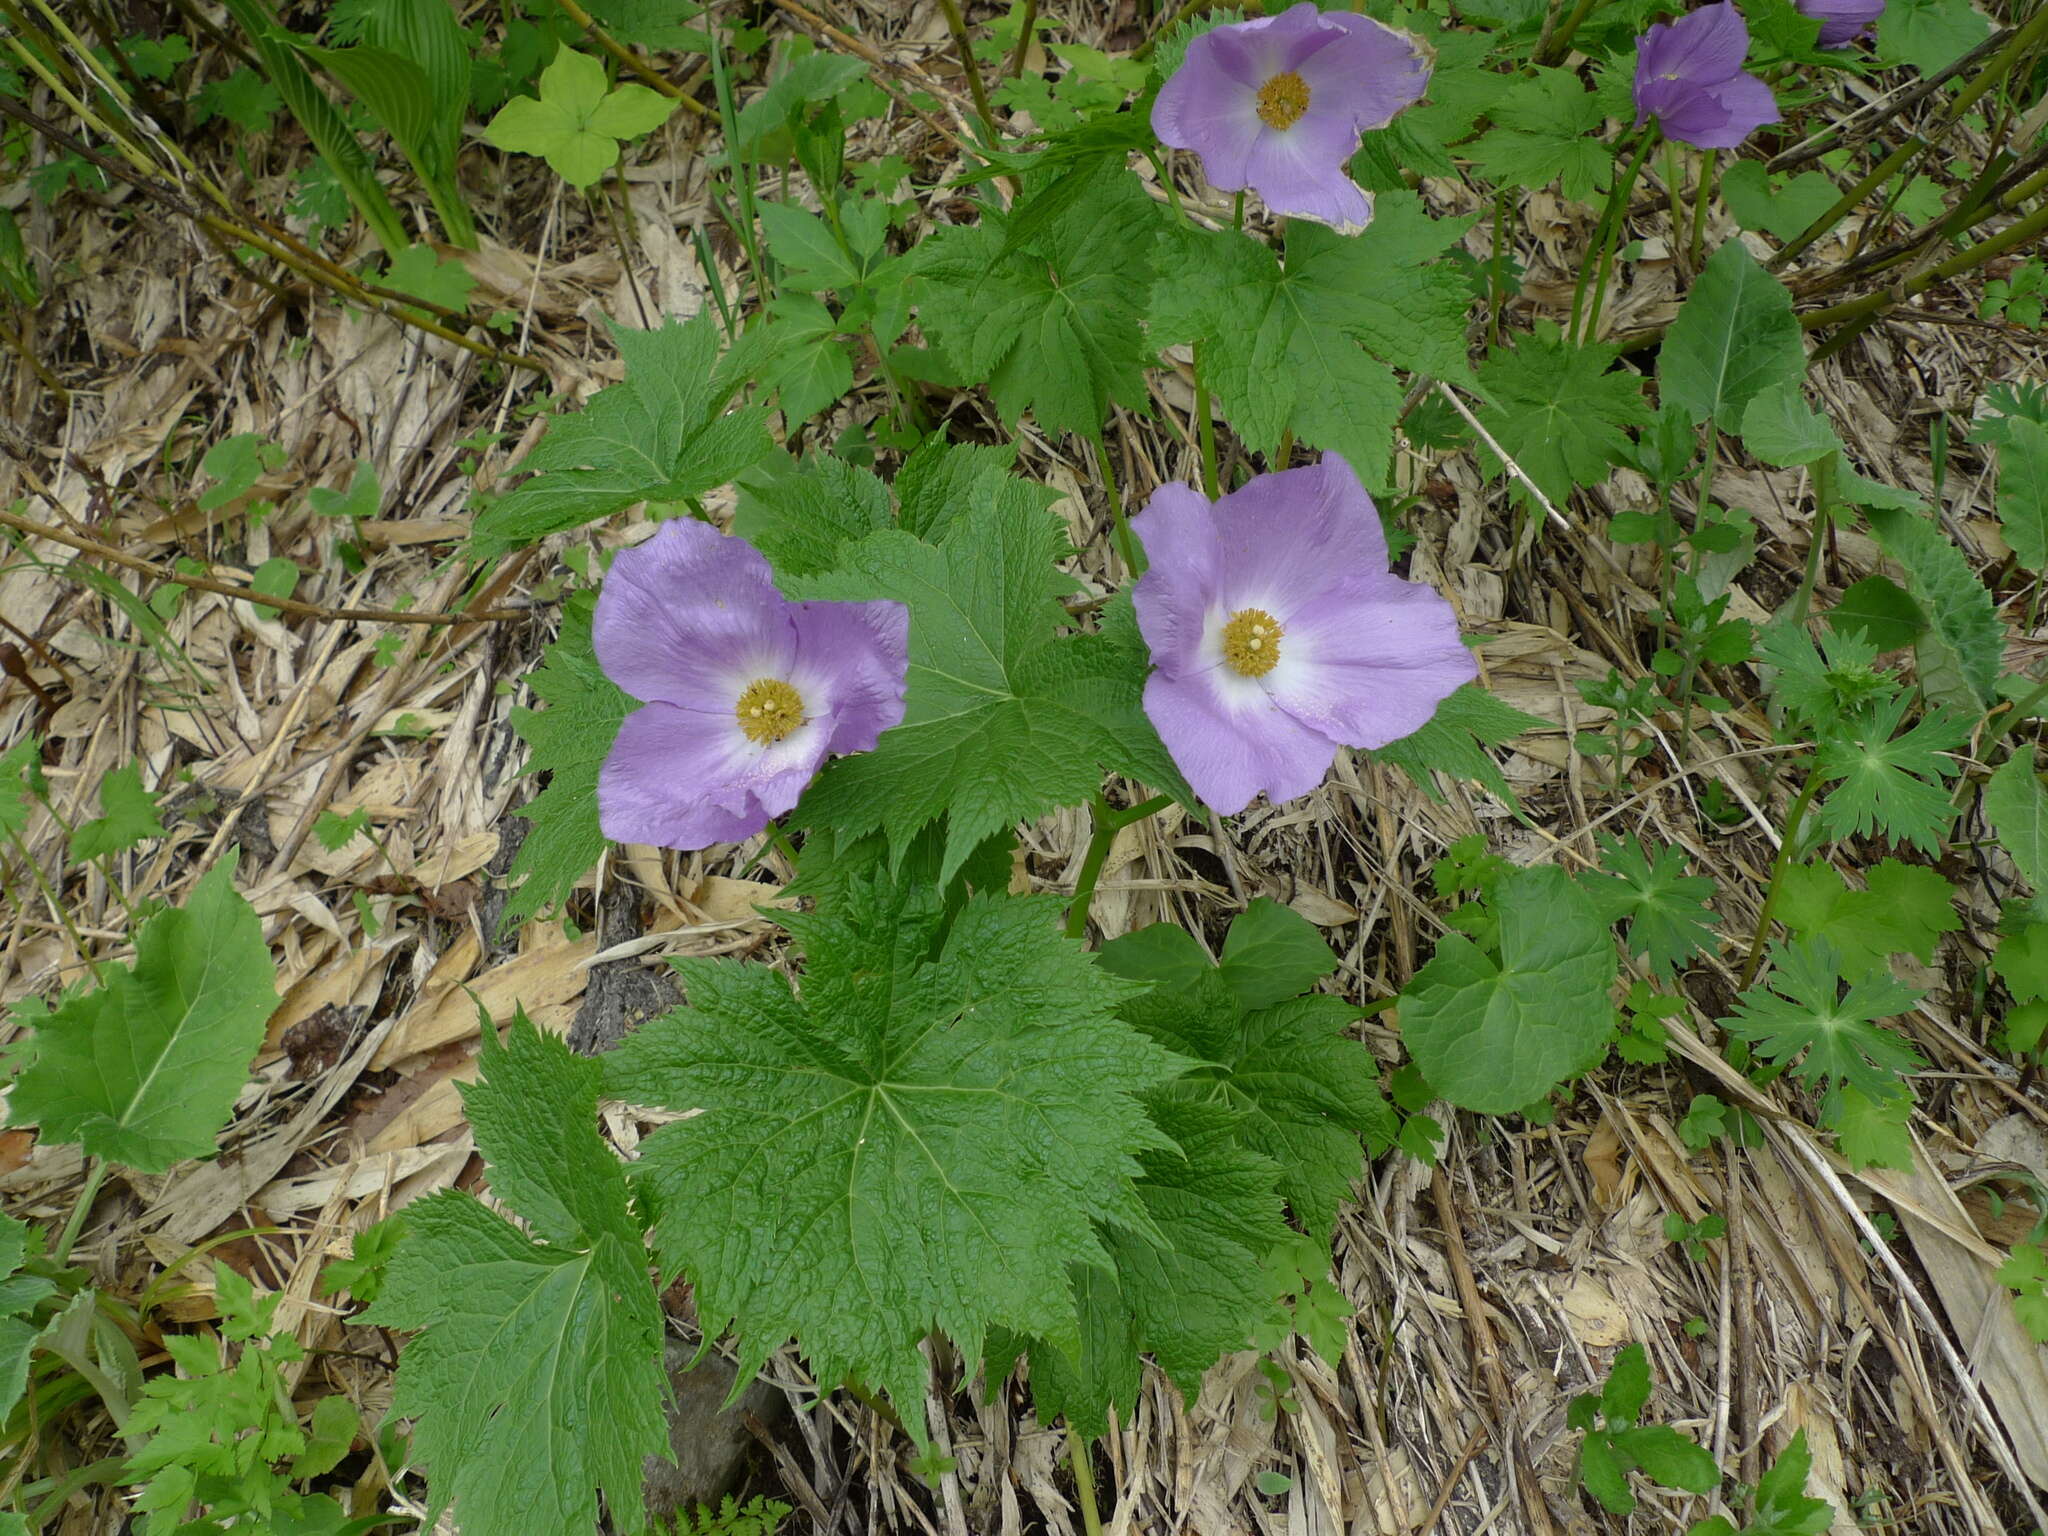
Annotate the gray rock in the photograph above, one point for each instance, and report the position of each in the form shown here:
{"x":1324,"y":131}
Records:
{"x":713,"y":1451}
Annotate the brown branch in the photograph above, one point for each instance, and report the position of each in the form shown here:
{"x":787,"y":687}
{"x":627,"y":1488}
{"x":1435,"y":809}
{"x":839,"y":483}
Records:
{"x":289,"y":605}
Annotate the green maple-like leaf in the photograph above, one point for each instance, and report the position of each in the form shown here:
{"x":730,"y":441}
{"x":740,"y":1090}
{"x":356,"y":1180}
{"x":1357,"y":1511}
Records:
{"x":1546,"y":129}
{"x":662,"y":435}
{"x":1894,"y":784}
{"x":536,"y":1380}
{"x":1823,"y":686}
{"x":576,"y":122}
{"x":926,"y":1137}
{"x":1307,"y":1094}
{"x":1003,"y":722}
{"x":1455,"y":742}
{"x":1873,"y":1129}
{"x":127,"y":816}
{"x":1802,"y":1017}
{"x":1496,"y":1034}
{"x":568,"y":741}
{"x":1560,"y":411}
{"x":1191,"y":1290}
{"x":1906,"y":910}
{"x":2025,"y":1272}
{"x":1307,"y":346}
{"x":1669,"y":920}
{"x":1038,"y":302}
{"x":144,"y":1070}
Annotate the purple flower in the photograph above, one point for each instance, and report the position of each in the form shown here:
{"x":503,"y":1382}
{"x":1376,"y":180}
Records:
{"x":1278,"y":634}
{"x":1841,"y":21}
{"x":1278,"y":105}
{"x":1689,"y":75}
{"x":746,"y":692}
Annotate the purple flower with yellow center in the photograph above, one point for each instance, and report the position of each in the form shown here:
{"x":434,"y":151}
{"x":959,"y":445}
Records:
{"x":1279,"y":104}
{"x":1689,"y":76}
{"x":745,"y":692}
{"x":1279,"y":635}
{"x":1841,"y":21}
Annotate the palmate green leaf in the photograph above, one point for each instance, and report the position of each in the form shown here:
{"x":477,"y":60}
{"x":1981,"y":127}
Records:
{"x":1960,"y":655}
{"x":2023,"y":491}
{"x":145,"y":1070}
{"x":536,"y":1378}
{"x":2025,"y":1273}
{"x":1002,"y":721}
{"x":1873,"y":1130}
{"x":662,"y":435}
{"x":1560,"y":410}
{"x":1669,"y":920}
{"x":127,"y":816}
{"x":1904,"y":911}
{"x":927,"y":1137}
{"x":1734,"y":336}
{"x":1193,"y":1289}
{"x":577,"y":121}
{"x":1546,"y":128}
{"x":1801,"y":1017}
{"x":1051,"y":325}
{"x":1893,"y":784}
{"x":1306,"y":1093}
{"x":1306,"y":347}
{"x":568,"y":741}
{"x":1494,"y":1035}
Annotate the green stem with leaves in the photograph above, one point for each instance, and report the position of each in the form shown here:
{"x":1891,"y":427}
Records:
{"x":1205,"y":424}
{"x":1703,"y":195}
{"x":1126,"y":545}
{"x":1824,"y":471}
{"x":95,"y":1176}
{"x":1793,"y":821}
{"x":1553,"y":48}
{"x":1108,"y":822}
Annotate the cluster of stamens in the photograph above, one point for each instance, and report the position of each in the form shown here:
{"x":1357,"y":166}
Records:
{"x":1251,"y":642}
{"x":1282,"y":100}
{"x":769,"y":710}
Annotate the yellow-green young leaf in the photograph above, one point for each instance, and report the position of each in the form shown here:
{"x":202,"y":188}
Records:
{"x":127,"y":816}
{"x":576,"y":122}
{"x":1873,"y":1128}
{"x":144,"y":1071}
{"x":1735,"y":335}
{"x":536,"y":1380}
{"x":926,"y":1137}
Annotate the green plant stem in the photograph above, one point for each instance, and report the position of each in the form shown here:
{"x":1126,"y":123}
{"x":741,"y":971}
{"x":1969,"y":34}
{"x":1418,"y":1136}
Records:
{"x":56,"y":902}
{"x":957,"y":25}
{"x":1084,"y":1482}
{"x":1237,"y":215}
{"x":1611,"y":219}
{"x":630,"y":60}
{"x":1016,"y":65}
{"x":1559,"y":43}
{"x":1205,"y":424}
{"x":1108,"y":822}
{"x":1823,"y":515}
{"x":736,"y":161}
{"x":95,"y":1176}
{"x":1703,"y":195}
{"x":1873,"y":304}
{"x":1674,"y":179}
{"x":1779,"y":864}
{"x":1125,"y":544}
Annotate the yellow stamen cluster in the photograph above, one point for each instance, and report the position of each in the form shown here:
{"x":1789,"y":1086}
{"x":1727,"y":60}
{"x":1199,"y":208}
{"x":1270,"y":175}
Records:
{"x":1282,"y":100}
{"x":769,"y":710}
{"x":1251,"y":642}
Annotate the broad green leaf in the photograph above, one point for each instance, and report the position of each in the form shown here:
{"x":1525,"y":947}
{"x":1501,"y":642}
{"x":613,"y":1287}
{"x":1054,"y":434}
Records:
{"x":17,"y":1343}
{"x":1191,"y":1291}
{"x":420,"y":271}
{"x":800,"y":512}
{"x":1272,"y":954}
{"x":927,"y":1137}
{"x":1626,"y":1391}
{"x":568,"y":741}
{"x":363,"y":497}
{"x":1874,"y":1131}
{"x":1052,"y":327}
{"x":809,"y":366}
{"x":662,"y":435}
{"x":1930,"y":35}
{"x":1801,"y":1017}
{"x":1002,"y":721}
{"x":1963,"y":649}
{"x":1546,"y":128}
{"x":1881,"y":612}
{"x":2023,"y":491}
{"x":1785,"y":211}
{"x":1905,"y":910}
{"x":1779,"y":427}
{"x":1735,"y":335}
{"x":1667,"y":1458}
{"x":535,"y":1382}
{"x":1782,"y":1507}
{"x":1494,"y":1035}
{"x":811,"y":258}
{"x":144,"y":1071}
{"x":397,"y":94}
{"x":1560,"y":410}
{"x":127,"y":816}
{"x":2017,"y":807}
